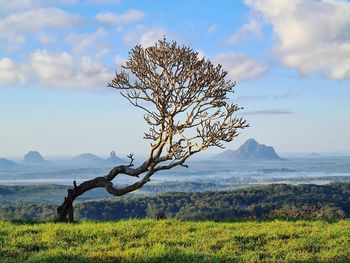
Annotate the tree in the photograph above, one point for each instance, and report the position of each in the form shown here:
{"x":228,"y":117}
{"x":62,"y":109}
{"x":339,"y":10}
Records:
{"x":186,"y":105}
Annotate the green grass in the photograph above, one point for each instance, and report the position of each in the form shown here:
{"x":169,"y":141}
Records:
{"x":176,"y":241}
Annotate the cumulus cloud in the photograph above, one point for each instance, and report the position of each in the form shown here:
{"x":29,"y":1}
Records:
{"x":251,"y":29}
{"x":14,"y":26}
{"x":59,"y":70}
{"x":144,"y":36}
{"x":84,"y":42}
{"x":313,"y":36}
{"x":45,"y":38}
{"x":55,"y":70}
{"x":148,"y":36}
{"x":119,"y":19}
{"x":240,"y":66}
{"x":103,"y":2}
{"x":10,"y":73}
{"x":18,"y":5}
{"x":151,"y":36}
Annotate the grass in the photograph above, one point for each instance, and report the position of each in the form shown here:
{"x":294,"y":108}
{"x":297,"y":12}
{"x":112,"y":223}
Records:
{"x":176,"y":241}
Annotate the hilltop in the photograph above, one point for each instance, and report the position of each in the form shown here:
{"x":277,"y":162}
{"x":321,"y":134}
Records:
{"x":250,"y":150}
{"x":33,"y":157}
{"x":87,"y":158}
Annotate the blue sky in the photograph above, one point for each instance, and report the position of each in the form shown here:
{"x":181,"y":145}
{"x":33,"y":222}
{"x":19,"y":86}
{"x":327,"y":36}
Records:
{"x":291,"y":61}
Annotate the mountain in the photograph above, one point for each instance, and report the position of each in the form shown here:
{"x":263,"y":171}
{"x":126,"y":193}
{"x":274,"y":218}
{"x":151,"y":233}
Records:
{"x":250,"y":150}
{"x":6,"y":164}
{"x":113,"y":159}
{"x":88,"y":158}
{"x":33,"y":157}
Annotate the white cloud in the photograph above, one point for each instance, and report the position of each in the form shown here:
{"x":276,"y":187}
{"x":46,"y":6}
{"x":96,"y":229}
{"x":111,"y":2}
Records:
{"x":45,"y":38}
{"x":18,"y":5}
{"x":10,"y":73}
{"x":83,"y":42}
{"x":103,"y":2}
{"x":251,"y":29}
{"x":240,"y":67}
{"x":37,"y":19}
{"x":151,"y":36}
{"x":13,"y":27}
{"x":148,"y":36}
{"x":55,"y":70}
{"x":118,"y":60}
{"x":144,"y":36}
{"x":119,"y":19}
{"x":313,"y":36}
{"x":59,"y":70}
{"x":201,"y":54}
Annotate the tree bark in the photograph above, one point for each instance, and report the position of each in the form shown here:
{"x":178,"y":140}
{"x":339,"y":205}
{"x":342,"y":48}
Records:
{"x":65,"y":210}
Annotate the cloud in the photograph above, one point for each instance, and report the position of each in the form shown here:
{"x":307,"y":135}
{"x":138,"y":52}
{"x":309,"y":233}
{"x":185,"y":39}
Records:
{"x":84,"y":42}
{"x":252,"y":29}
{"x":10,"y":73}
{"x":240,"y":67}
{"x":19,"y":5}
{"x":15,"y":26}
{"x":55,"y":70}
{"x":313,"y":36}
{"x":148,"y":36}
{"x":45,"y":38}
{"x":118,"y":60}
{"x":59,"y":70}
{"x":119,"y":19}
{"x":103,"y":2}
{"x":267,"y":112}
{"x":281,"y":96}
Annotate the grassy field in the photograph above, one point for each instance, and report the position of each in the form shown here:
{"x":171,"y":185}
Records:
{"x":176,"y":241}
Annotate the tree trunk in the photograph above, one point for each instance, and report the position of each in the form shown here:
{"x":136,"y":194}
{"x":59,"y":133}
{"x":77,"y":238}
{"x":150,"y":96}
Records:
{"x":66,"y":212}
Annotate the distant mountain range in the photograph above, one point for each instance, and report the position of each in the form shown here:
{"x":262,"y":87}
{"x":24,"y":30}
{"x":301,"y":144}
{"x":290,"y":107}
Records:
{"x":250,"y":150}
{"x":34,"y":158}
{"x":92,"y":159}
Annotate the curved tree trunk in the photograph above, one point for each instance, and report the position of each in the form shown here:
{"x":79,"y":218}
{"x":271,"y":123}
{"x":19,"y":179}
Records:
{"x":148,"y":168}
{"x":65,"y":210}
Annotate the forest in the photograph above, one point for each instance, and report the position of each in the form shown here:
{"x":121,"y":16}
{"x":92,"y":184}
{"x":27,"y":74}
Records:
{"x":275,"y":201}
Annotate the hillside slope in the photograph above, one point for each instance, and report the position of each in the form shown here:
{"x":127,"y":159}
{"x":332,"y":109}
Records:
{"x":175,"y":241}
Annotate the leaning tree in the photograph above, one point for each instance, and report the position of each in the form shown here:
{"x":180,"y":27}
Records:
{"x":186,"y":106}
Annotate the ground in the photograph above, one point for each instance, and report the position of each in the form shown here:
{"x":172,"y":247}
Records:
{"x":176,"y":241}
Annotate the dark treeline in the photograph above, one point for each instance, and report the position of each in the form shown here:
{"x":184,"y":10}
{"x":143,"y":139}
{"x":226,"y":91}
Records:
{"x":264,"y":202}
{"x":53,"y":194}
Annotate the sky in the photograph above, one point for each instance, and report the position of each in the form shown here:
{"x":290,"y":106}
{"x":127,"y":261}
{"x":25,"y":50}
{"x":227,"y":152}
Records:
{"x":290,"y":59}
